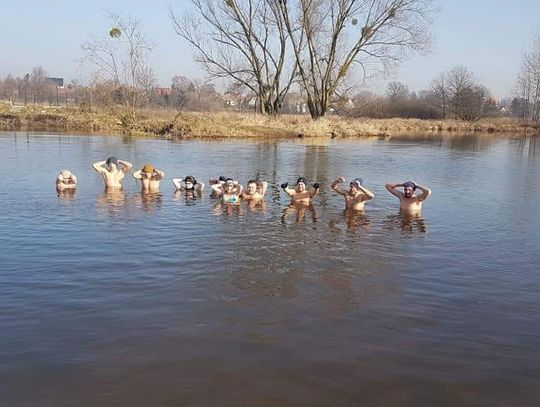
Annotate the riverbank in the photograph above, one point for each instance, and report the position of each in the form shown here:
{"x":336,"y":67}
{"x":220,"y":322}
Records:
{"x":183,"y":125}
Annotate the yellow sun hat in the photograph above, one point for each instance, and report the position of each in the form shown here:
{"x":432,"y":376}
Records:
{"x":148,"y":168}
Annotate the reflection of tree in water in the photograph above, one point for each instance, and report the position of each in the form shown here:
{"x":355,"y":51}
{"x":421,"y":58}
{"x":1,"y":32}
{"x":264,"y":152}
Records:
{"x":354,"y":220}
{"x":408,"y":223}
{"x":527,"y":146}
{"x":300,"y":211}
{"x":470,"y":142}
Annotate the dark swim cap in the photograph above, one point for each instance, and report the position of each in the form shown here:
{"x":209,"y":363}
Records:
{"x":409,"y":184}
{"x":357,"y":182}
{"x":190,"y":178}
{"x":112,"y":160}
{"x":301,"y":179}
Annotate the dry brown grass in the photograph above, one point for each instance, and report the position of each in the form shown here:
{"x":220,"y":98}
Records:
{"x":170,"y":124}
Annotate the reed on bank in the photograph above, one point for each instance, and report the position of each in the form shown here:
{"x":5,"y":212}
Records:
{"x":169,"y":124}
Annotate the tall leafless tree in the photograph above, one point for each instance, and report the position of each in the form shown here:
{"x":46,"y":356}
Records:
{"x":438,"y":95}
{"x":331,"y":37}
{"x":528,"y":82}
{"x":459,"y":93}
{"x":244,"y":41}
{"x":120,"y":57}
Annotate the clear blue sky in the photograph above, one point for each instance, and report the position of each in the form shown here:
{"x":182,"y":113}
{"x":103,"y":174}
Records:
{"x":487,"y":36}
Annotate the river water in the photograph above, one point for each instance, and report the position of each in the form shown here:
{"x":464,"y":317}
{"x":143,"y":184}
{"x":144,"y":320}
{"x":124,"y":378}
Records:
{"x":151,"y":300}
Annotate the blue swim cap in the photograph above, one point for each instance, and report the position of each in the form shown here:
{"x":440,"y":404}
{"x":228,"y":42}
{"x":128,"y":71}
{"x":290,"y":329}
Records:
{"x":409,"y":184}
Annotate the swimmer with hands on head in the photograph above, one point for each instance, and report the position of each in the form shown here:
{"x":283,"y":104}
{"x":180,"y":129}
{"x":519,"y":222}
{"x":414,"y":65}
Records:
{"x":111,"y":173}
{"x":409,"y":203}
{"x":301,"y":195}
{"x":229,"y":190}
{"x":66,"y":180}
{"x":356,"y":196}
{"x":149,"y":177}
{"x":255,"y":190}
{"x":188,"y":184}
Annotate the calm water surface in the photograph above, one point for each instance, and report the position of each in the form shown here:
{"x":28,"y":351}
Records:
{"x":166,"y":300}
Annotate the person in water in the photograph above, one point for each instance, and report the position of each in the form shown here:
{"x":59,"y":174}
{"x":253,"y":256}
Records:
{"x":255,"y":191}
{"x":66,"y":180}
{"x":409,"y":202}
{"x":149,"y":177}
{"x":111,"y":173}
{"x":356,"y":196}
{"x":300,"y":194}
{"x":188,"y":184}
{"x":229,"y":190}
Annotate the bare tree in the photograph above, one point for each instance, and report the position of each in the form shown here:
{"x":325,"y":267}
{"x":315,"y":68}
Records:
{"x":528,"y":82}
{"x":438,"y":95}
{"x":330,"y":36}
{"x":459,"y":81}
{"x":397,"y":92}
{"x":38,"y":84}
{"x":460,"y":94}
{"x":121,"y":58}
{"x":242,"y":40}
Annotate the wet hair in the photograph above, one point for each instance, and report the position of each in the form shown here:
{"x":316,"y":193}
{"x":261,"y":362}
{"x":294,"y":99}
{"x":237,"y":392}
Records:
{"x":112,"y":160}
{"x":252,"y":181}
{"x":190,"y":178}
{"x":301,"y":179}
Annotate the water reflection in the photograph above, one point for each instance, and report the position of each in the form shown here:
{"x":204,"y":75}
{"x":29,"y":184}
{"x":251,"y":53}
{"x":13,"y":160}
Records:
{"x":353,"y":219}
{"x":362,"y":289}
{"x":527,"y":146}
{"x":256,"y":205}
{"x":228,"y":209}
{"x":149,"y":201}
{"x":408,"y":223}
{"x":299,"y":212}
{"x":189,"y":197}
{"x":112,"y":201}
{"x":66,"y":194}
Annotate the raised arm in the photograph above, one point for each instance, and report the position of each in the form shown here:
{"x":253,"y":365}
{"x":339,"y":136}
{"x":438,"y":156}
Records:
{"x":126,"y":166}
{"x":159,"y":175}
{"x":199,"y":187}
{"x":98,"y":166}
{"x":369,"y":195}
{"x":263,"y":188}
{"x":426,"y":192}
{"x":335,"y":186}
{"x":217,"y":188}
{"x":288,"y":191}
{"x":137,"y":174}
{"x":315,"y":190}
{"x":177,"y":182}
{"x":392,"y":189}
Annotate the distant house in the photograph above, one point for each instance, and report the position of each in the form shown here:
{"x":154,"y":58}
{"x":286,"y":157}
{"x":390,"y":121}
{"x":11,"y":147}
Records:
{"x":164,"y":91}
{"x":232,"y":100}
{"x":58,"y":82}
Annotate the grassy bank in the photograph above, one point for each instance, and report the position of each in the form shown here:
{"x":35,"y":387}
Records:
{"x":184,"y":125}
